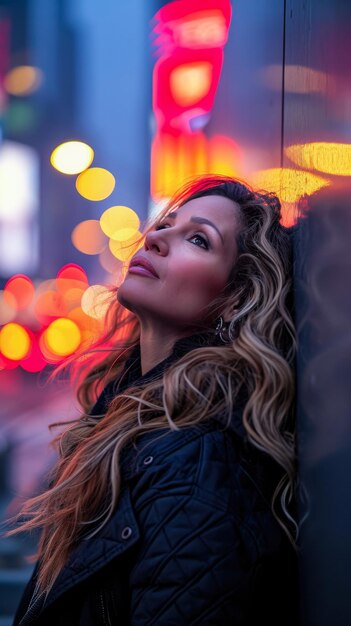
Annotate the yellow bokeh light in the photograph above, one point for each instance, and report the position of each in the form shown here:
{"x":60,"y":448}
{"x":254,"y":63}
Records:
{"x":119,"y":223}
{"x":62,"y":336}
{"x":90,"y":328}
{"x":23,"y":80}
{"x":48,"y":355}
{"x":287,"y":183}
{"x":95,"y":301}
{"x":72,"y":157}
{"x":96,"y":183}
{"x":14,"y":341}
{"x":330,"y":158}
{"x":124,"y":250}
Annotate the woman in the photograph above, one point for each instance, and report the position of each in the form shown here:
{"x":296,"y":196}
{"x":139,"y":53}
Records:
{"x":173,"y":499}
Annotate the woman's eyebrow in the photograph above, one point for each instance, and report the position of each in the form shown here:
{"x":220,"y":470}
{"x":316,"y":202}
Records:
{"x":199,"y":220}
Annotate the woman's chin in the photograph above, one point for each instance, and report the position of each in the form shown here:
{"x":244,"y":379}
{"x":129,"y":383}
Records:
{"x":122,"y":297}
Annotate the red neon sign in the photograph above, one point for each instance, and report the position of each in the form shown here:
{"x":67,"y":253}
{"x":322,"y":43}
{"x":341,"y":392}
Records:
{"x":189,"y":38}
{"x":190,"y":42}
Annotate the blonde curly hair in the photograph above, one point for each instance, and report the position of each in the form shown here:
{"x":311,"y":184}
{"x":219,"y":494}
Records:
{"x":259,"y":355}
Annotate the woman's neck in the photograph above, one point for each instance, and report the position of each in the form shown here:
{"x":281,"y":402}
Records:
{"x":156,"y":344}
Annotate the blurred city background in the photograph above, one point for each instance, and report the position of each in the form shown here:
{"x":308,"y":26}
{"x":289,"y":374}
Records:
{"x":105,"y":109}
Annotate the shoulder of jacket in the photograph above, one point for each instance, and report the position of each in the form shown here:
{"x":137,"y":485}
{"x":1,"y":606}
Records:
{"x":163,"y":444}
{"x":208,"y":461}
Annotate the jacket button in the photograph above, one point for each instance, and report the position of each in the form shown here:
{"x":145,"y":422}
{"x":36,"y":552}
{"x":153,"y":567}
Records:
{"x":126,"y":532}
{"x":148,"y":460}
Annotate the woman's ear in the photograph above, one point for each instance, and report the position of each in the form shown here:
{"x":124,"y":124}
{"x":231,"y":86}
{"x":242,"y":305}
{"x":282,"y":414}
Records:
{"x":222,"y":330}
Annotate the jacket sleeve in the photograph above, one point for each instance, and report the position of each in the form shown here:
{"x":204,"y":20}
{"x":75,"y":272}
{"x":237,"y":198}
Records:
{"x":195,"y":563}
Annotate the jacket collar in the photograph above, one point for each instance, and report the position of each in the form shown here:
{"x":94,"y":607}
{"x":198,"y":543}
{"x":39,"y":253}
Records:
{"x":181,"y":347}
{"x":132,"y":375}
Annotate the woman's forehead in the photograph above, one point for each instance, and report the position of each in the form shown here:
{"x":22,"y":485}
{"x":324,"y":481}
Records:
{"x":220,"y":204}
{"x":218,"y":208}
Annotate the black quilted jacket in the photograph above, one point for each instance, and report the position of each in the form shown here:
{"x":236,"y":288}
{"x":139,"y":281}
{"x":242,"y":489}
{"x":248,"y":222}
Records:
{"x":193,"y":541}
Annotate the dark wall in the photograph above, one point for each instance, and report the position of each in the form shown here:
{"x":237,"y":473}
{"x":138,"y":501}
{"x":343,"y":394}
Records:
{"x":318,"y":38}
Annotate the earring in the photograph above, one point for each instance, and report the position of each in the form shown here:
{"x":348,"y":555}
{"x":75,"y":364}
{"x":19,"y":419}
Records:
{"x":222,"y":330}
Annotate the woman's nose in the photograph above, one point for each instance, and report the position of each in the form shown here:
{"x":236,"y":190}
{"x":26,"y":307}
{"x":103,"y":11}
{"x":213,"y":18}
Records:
{"x":156,"y":241}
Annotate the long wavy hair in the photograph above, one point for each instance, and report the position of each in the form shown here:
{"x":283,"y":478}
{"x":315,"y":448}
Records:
{"x":259,"y":354}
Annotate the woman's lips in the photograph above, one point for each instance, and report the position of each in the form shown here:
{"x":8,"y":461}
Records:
{"x":140,"y":265}
{"x":139,"y":269}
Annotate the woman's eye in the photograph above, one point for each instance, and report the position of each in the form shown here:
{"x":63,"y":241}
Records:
{"x":203,"y":243}
{"x":199,"y":240}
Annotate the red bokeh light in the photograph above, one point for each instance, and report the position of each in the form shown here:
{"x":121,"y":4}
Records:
{"x":74,"y":272}
{"x":34,"y":361}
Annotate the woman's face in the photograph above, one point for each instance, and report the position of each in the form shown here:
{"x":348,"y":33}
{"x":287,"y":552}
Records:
{"x":190,"y":254}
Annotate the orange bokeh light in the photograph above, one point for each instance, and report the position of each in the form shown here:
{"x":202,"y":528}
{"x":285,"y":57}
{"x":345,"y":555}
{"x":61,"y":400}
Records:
{"x":224,"y":156}
{"x":73,"y":296}
{"x":49,"y":305}
{"x":88,"y":237}
{"x":20,"y":288}
{"x":23,"y":80}
{"x":176,"y":158}
{"x":90,"y":328}
{"x":190,"y":82}
{"x":8,"y":307}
